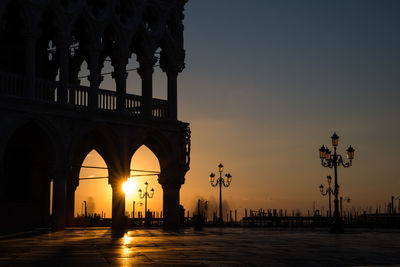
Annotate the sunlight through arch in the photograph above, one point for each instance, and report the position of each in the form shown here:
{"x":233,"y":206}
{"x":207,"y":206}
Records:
{"x":96,"y":192}
{"x":144,"y":168}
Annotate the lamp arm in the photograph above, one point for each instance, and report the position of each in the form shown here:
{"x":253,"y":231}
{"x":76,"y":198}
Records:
{"x":326,"y":192}
{"x":344,"y":164}
{"x":150,"y":195}
{"x":216,"y":183}
{"x":327,"y":163}
{"x":226,"y":184}
{"x":141,"y":195}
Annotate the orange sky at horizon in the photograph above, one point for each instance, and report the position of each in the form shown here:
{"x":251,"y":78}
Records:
{"x":98,"y":193}
{"x":263,"y":102}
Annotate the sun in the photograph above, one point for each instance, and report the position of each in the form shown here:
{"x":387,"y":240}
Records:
{"x":129,"y":186}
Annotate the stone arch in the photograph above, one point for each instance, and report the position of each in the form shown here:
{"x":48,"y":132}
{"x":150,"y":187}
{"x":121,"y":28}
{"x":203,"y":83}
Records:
{"x":97,"y":137}
{"x":158,"y":144}
{"x":98,"y":191}
{"x":100,"y":138}
{"x":144,"y":166}
{"x":46,"y":126}
{"x":30,"y":160}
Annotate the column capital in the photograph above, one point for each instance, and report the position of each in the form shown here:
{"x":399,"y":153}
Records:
{"x":172,"y":177}
{"x":119,"y":63}
{"x":146,"y":61}
{"x":172,"y":69}
{"x":145,"y":69}
{"x":117,"y":177}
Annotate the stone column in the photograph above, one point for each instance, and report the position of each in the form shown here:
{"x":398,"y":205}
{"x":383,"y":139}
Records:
{"x":59,"y":200}
{"x":30,"y":65}
{"x":70,"y":205}
{"x":171,"y":206}
{"x":171,"y":182}
{"x":118,"y":202}
{"x":120,"y":75}
{"x":118,"y":207}
{"x":63,"y":47}
{"x":172,"y":94}
{"x":94,"y":79}
{"x":146,"y":73}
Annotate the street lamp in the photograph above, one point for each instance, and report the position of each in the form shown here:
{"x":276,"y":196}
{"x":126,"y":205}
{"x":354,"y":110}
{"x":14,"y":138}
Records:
{"x":334,"y":160}
{"x":328,"y":192}
{"x":220,"y":181}
{"x":146,"y":195}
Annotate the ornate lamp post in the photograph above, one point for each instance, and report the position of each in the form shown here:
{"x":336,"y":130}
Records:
{"x":328,"y":192}
{"x":220,"y":181}
{"x":146,"y":195}
{"x":333,"y":161}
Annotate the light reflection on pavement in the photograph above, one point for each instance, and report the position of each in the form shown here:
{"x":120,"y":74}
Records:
{"x":210,"y":247}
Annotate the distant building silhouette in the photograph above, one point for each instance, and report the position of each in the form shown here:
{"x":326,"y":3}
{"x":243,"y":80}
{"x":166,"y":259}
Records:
{"x":49,"y":121}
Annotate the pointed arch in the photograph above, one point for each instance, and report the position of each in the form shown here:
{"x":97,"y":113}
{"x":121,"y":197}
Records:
{"x":157,"y":143}
{"x":100,"y":138}
{"x":145,"y":167}
{"x":96,"y":192}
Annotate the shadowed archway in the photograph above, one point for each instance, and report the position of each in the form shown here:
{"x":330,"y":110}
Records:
{"x":29,"y":163}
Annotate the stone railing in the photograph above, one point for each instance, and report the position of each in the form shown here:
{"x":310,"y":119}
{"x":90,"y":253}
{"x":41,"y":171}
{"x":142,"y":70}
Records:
{"x":133,"y":104}
{"x":79,"y":96}
{"x":46,"y":90}
{"x":107,"y":100}
{"x":11,"y":84}
{"x":160,"y":108}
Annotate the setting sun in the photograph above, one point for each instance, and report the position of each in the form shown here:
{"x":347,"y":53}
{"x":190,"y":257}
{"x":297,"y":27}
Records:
{"x":129,"y":186}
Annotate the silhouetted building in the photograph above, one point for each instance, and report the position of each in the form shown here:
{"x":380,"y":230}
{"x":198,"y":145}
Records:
{"x":49,"y":121}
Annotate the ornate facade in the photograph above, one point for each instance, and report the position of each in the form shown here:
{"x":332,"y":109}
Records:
{"x":49,"y":121}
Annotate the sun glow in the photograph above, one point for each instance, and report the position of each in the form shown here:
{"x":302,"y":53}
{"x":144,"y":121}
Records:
{"x":129,"y":187}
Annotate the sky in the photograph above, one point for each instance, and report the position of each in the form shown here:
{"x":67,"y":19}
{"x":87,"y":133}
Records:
{"x":266,"y":84}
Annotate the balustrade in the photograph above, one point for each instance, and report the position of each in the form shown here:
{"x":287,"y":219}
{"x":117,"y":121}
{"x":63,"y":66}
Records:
{"x":78,"y":95}
{"x":107,"y":100}
{"x":11,"y":84}
{"x":133,"y":103}
{"x":46,"y":90}
{"x":160,"y":108}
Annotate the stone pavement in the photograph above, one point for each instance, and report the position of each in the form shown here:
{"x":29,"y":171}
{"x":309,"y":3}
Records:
{"x":210,"y":247}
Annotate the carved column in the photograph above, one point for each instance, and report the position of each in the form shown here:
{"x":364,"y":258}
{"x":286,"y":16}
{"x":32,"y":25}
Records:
{"x":120,"y":75}
{"x":70,"y":198}
{"x":59,"y":199}
{"x":146,"y":73}
{"x":30,"y":65}
{"x":171,"y":182}
{"x":172,"y":94}
{"x":171,"y":206}
{"x":118,"y":198}
{"x":63,"y":47}
{"x":94,"y":78}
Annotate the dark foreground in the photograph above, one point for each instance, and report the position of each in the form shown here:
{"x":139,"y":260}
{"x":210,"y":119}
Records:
{"x":210,"y":247}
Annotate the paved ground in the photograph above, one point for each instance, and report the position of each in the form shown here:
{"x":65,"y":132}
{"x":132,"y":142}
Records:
{"x":210,"y":247}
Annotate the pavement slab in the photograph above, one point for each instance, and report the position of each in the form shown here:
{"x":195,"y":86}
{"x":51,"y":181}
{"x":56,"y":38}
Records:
{"x":209,"y":247}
